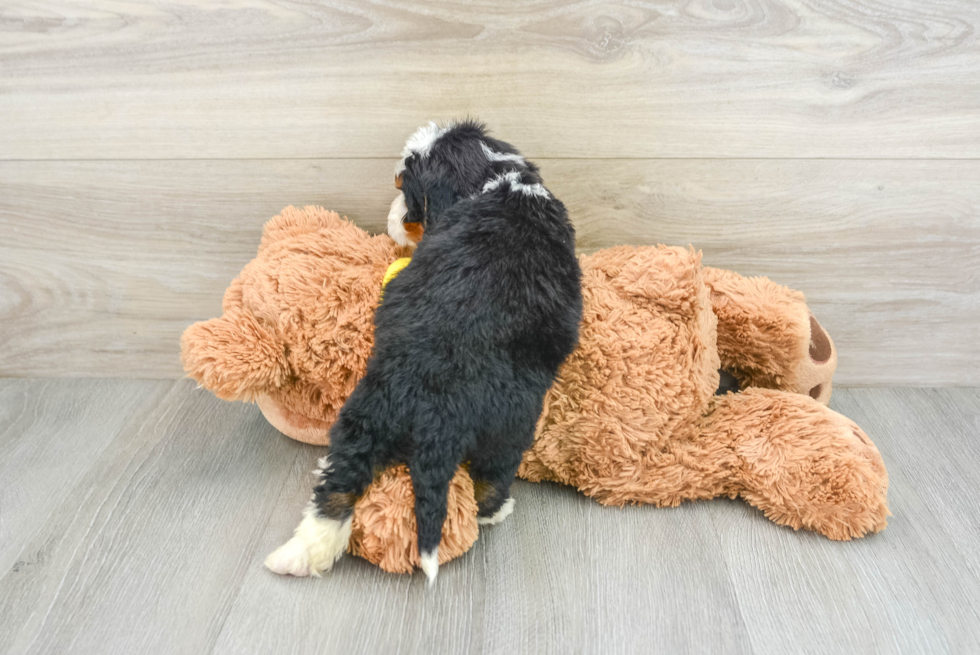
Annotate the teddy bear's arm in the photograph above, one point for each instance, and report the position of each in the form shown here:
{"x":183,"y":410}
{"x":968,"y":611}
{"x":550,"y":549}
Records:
{"x":233,"y":356}
{"x":768,"y":337}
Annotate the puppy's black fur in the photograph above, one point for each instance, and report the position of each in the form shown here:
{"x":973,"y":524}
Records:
{"x":468,"y":338}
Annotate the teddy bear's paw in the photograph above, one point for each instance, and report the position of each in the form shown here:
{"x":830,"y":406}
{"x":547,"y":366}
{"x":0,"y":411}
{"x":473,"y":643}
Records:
{"x":815,"y":372}
{"x":851,"y":500}
{"x":805,"y":465}
{"x":317,"y":543}
{"x":505,"y":510}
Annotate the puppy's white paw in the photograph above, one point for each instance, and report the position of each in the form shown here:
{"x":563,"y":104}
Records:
{"x":430,"y":565}
{"x":290,"y":559}
{"x":505,"y":510}
{"x":316,"y":545}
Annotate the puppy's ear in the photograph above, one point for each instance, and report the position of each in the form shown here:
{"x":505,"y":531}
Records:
{"x":439,"y":197}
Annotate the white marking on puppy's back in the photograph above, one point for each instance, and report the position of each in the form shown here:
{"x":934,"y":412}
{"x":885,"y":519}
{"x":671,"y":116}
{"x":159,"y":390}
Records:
{"x":514,"y":178}
{"x":493,"y":155}
{"x":317,"y":543}
{"x":430,"y":565}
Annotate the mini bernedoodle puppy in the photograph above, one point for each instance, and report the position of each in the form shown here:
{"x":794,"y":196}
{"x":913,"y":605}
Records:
{"x":468,"y":339}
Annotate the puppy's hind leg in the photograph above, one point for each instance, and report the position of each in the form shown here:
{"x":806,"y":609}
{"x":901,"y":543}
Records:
{"x":322,"y":536}
{"x":498,"y":454}
{"x":493,"y":474}
{"x":317,"y":543}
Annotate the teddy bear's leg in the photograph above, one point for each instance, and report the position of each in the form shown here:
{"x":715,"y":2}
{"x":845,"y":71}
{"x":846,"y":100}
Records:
{"x":384,"y":529}
{"x":768,"y":337}
{"x":801,"y":463}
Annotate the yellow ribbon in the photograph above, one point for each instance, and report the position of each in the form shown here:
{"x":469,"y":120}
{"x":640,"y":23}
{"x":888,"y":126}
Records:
{"x":394,"y":269}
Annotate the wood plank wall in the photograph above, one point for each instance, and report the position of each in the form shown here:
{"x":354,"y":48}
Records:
{"x":831,"y":145}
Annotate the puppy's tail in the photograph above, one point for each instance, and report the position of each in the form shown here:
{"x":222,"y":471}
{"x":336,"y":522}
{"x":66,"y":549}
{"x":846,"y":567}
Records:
{"x":431,"y":476}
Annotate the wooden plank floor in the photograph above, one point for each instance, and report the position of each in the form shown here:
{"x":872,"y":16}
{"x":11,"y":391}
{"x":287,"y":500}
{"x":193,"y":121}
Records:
{"x":134,"y":517}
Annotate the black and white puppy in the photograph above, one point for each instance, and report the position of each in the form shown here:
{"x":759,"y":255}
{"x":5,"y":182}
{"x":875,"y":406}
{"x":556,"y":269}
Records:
{"x":468,"y":339}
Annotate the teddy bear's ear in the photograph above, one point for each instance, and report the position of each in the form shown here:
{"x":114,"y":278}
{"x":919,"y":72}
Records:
{"x":234,"y":356}
{"x":292,"y":221}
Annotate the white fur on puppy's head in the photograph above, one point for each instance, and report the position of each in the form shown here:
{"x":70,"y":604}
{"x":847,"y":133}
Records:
{"x":421,"y":142}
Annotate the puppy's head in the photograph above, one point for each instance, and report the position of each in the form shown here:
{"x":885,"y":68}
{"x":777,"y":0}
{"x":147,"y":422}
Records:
{"x":442,"y":165}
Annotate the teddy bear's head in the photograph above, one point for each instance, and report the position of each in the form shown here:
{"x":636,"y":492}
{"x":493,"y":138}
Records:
{"x":296,"y":329}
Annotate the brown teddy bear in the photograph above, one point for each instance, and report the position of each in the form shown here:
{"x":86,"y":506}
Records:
{"x":632,"y":418}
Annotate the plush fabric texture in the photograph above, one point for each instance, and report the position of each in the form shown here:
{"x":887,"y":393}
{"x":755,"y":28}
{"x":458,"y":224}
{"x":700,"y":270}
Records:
{"x":632,"y":417}
{"x":384,"y":522}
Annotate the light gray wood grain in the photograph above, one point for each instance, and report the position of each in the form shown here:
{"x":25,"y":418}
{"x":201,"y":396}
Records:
{"x":892,"y":592}
{"x":939,"y":469}
{"x":146,"y":551}
{"x":51,"y":433}
{"x":607,"y":580}
{"x":340,"y":78}
{"x":158,"y":547}
{"x":364,"y":610}
{"x":103,"y":264}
